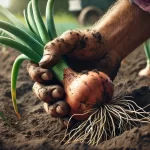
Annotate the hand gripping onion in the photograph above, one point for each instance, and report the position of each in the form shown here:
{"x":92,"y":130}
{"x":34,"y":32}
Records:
{"x":88,"y":94}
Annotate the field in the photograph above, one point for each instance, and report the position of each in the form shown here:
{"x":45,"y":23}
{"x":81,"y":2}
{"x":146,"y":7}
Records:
{"x":38,"y":131}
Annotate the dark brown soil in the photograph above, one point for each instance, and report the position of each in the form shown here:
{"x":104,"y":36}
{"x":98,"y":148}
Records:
{"x":38,"y":131}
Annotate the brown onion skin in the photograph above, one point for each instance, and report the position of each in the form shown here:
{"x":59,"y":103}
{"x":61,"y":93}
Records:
{"x":85,"y":91}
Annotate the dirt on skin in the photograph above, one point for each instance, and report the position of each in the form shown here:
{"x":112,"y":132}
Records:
{"x":38,"y":131}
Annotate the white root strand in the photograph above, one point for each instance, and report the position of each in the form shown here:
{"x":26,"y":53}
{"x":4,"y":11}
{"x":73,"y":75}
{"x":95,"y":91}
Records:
{"x":108,"y":121}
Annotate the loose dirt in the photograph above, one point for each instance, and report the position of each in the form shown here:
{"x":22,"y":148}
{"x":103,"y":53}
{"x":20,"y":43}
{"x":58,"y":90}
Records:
{"x":38,"y":131}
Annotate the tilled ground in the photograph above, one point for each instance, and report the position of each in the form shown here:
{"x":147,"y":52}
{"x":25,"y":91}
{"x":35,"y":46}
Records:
{"x":38,"y":131}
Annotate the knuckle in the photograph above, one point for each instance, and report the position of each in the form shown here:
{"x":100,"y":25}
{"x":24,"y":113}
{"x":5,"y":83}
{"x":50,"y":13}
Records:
{"x":44,"y":93}
{"x":35,"y":74}
{"x":71,"y":34}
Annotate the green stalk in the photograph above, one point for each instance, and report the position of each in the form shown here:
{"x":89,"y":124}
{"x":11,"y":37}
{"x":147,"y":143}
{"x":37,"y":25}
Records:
{"x":17,"y":22}
{"x":39,"y":22}
{"x":58,"y":69}
{"x":147,"y":51}
{"x":31,"y":18}
{"x":13,"y":37}
{"x":25,"y":14}
{"x":21,"y":48}
{"x":29,"y":40}
{"x":50,"y":19}
{"x":14,"y":75}
{"x":3,"y":33}
{"x":33,"y":50}
{"x":32,"y":55}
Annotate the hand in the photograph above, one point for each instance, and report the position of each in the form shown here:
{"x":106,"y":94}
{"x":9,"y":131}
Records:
{"x":84,"y":50}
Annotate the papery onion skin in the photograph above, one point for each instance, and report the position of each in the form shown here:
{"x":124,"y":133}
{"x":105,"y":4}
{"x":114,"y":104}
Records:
{"x":85,"y":91}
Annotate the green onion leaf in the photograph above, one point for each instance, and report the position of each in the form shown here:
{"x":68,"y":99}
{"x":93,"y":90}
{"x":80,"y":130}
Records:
{"x":29,"y":40}
{"x":31,"y":18}
{"x":39,"y":22}
{"x":17,"y":22}
{"x":8,"y":34}
{"x":28,"y":43}
{"x":50,"y":19}
{"x":14,"y":75}
{"x":21,"y":48}
{"x":147,"y":50}
{"x":3,"y":33}
{"x":26,"y":20}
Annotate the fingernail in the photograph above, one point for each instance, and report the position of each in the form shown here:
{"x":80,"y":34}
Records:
{"x":59,"y":110}
{"x":45,"y":58}
{"x":45,"y":77}
{"x":56,"y":93}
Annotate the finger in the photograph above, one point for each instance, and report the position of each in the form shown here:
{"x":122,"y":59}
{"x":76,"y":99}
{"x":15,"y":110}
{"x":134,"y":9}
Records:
{"x":38,"y":74}
{"x":65,"y":121}
{"x":50,"y":58}
{"x":49,"y":93}
{"x":58,"y":47}
{"x":58,"y":109}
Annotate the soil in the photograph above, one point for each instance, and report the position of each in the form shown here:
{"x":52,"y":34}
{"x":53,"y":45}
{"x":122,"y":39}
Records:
{"x":38,"y":131}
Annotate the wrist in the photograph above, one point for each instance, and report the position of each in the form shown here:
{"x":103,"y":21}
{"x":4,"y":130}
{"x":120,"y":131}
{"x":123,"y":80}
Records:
{"x":109,"y":64}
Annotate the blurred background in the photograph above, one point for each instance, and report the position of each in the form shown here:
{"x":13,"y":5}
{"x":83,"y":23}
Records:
{"x":69,"y":14}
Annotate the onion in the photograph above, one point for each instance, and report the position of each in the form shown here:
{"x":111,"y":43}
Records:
{"x":85,"y":91}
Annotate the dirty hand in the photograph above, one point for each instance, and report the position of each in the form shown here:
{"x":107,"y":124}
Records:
{"x":84,"y":50}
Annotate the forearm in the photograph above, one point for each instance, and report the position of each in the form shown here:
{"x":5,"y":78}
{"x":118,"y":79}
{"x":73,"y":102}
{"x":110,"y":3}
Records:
{"x":124,"y":27}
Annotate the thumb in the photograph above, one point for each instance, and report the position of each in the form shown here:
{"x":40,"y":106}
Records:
{"x":58,"y":47}
{"x":51,"y":55}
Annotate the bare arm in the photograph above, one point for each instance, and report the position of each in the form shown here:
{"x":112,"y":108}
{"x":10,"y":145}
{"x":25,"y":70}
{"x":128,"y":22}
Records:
{"x":124,"y":27}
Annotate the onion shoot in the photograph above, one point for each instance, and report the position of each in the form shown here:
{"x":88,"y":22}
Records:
{"x":146,"y":70}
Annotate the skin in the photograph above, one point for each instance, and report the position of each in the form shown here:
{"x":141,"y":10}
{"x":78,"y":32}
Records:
{"x":123,"y":28}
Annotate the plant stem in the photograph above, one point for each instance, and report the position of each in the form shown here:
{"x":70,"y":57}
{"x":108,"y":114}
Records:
{"x":147,"y":51}
{"x":50,"y":19}
{"x":29,"y":40}
{"x":31,"y":18}
{"x":58,"y":69}
{"x":25,"y":14}
{"x":17,"y":22}
{"x":39,"y":22}
{"x":14,"y":75}
{"x":21,"y":48}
